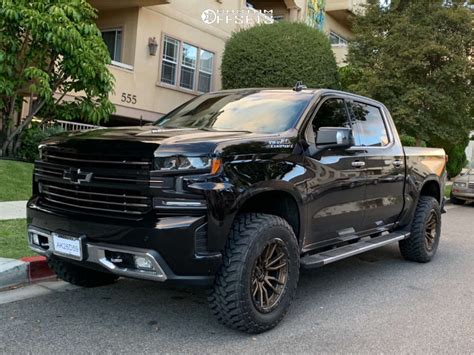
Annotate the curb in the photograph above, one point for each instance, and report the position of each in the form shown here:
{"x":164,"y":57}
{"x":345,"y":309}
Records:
{"x":38,"y":268}
{"x":17,"y":272}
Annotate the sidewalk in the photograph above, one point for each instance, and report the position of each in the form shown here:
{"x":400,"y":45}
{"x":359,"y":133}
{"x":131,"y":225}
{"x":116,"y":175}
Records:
{"x":12,"y":210}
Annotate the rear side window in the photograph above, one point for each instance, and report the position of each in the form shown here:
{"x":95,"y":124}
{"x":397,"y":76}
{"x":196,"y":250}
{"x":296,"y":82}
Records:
{"x":368,"y":125}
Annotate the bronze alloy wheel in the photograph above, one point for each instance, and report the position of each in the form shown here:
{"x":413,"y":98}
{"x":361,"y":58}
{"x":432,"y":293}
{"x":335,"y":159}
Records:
{"x":257,"y":281}
{"x":269,"y":276}
{"x":431,"y":230}
{"x":425,"y":231}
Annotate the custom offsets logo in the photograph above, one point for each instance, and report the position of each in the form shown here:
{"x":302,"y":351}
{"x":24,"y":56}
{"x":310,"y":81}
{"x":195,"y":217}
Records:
{"x":238,"y":17}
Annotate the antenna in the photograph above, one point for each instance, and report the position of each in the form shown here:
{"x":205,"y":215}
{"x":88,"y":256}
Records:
{"x":299,"y":86}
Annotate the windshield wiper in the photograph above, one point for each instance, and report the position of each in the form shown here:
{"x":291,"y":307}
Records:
{"x":223,"y":130}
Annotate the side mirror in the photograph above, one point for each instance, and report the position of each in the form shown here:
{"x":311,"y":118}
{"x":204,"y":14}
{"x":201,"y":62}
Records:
{"x":334,"y":137}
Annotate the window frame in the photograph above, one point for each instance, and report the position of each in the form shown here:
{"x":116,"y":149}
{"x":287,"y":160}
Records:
{"x":115,"y":29}
{"x":179,"y":64}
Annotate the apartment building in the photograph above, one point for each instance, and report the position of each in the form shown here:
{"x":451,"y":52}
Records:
{"x":338,"y":26}
{"x":165,"y":52}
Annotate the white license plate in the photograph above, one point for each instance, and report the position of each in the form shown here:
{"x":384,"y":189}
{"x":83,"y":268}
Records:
{"x":69,"y":247}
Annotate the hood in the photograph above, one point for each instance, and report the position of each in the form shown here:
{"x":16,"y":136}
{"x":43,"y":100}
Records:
{"x":465,"y":178}
{"x":147,"y":139}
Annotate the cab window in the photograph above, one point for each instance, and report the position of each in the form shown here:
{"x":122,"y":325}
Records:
{"x":368,"y":125}
{"x":332,"y":113}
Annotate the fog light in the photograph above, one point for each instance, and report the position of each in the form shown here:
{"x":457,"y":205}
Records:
{"x":35,"y":238}
{"x":143,"y":263}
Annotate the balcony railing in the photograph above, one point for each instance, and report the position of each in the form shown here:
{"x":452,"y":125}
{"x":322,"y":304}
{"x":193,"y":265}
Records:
{"x":123,"y":4}
{"x":343,"y":5}
{"x":74,"y":126}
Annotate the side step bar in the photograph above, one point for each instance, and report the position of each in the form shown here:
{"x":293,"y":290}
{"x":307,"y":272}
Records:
{"x":329,"y":256}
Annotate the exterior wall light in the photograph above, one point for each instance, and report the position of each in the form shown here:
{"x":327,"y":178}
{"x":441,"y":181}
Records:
{"x":152,"y":45}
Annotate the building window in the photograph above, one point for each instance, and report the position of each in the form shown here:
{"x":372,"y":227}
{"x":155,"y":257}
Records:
{"x":186,"y":66}
{"x":206,"y":64}
{"x":113,"y":40}
{"x":337,"y":40}
{"x":170,"y":61}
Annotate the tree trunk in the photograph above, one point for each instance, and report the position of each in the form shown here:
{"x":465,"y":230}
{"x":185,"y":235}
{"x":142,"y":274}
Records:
{"x":8,"y":147}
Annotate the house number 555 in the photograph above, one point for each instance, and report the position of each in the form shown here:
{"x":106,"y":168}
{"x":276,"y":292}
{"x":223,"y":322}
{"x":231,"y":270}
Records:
{"x":129,"y":98}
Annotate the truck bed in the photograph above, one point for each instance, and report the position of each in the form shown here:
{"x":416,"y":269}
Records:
{"x":425,"y":161}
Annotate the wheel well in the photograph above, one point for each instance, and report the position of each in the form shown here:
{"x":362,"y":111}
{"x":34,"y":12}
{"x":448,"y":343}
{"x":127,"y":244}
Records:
{"x":278,"y":203}
{"x":431,"y":188}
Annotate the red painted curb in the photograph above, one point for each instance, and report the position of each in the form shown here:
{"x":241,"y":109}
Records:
{"x":38,"y":268}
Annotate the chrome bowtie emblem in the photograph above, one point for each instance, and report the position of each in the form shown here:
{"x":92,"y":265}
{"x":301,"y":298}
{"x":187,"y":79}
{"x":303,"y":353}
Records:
{"x":76,"y":176}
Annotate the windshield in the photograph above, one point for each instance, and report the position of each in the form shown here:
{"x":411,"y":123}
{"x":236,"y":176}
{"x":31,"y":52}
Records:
{"x":253,"y":111}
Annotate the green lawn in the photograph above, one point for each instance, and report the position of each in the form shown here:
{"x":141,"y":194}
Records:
{"x":13,"y":239}
{"x":15,"y":180}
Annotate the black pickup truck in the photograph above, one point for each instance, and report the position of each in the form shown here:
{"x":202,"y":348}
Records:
{"x":235,"y":190}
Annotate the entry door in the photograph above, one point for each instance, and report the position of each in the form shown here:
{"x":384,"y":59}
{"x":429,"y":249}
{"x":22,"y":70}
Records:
{"x":336,"y":189}
{"x":385,"y":165}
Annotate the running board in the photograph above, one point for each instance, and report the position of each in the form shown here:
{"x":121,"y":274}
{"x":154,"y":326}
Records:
{"x":329,"y":256}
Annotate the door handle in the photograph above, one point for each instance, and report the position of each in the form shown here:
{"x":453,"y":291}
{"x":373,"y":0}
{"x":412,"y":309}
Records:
{"x":397,"y":163}
{"x":358,"y":164}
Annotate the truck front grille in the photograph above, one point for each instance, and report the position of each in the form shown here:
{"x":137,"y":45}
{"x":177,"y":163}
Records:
{"x":94,"y":199}
{"x":471,"y":185}
{"x":96,"y":160}
{"x":108,"y":176}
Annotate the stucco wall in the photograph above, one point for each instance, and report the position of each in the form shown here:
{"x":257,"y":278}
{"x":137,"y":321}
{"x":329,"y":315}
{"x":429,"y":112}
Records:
{"x":127,"y":20}
{"x":182,"y":21}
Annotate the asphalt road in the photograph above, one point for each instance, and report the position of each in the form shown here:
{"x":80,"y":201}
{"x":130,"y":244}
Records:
{"x":375,"y":302}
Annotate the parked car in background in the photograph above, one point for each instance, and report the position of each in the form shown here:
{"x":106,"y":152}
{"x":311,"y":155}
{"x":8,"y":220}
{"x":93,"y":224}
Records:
{"x":463,"y":188}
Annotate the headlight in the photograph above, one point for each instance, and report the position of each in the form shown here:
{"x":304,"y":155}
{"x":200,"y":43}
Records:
{"x":460,"y":184}
{"x":188,"y":164}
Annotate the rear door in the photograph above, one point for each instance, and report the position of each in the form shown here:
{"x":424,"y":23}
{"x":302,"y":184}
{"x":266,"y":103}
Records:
{"x":385,"y":164}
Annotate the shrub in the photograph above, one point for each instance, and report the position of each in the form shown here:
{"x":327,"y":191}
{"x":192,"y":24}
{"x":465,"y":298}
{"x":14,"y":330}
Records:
{"x":457,"y":160}
{"x":408,"y":141}
{"x":30,"y":140}
{"x":278,"y":55}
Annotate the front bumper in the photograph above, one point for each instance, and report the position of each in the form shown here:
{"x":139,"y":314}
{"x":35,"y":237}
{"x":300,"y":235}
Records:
{"x":99,"y":254}
{"x":465,"y":194}
{"x":168,"y":243}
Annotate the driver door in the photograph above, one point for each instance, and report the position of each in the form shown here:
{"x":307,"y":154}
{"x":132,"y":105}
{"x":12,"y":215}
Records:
{"x":336,"y":189}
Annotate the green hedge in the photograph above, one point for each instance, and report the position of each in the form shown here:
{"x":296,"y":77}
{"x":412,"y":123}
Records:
{"x":278,"y":55}
{"x":31,"y":138}
{"x":457,"y":160}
